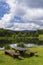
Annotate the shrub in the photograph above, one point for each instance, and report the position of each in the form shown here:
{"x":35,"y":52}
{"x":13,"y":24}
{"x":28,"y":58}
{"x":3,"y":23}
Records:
{"x":21,"y":44}
{"x":7,"y":47}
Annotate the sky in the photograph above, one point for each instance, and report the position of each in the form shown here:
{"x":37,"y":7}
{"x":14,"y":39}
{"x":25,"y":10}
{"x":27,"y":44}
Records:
{"x":21,"y":14}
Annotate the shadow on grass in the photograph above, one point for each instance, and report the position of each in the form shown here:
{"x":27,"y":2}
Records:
{"x":25,"y":55}
{"x":22,"y":56}
{"x":28,"y":55}
{"x":19,"y":58}
{"x":36,"y":55}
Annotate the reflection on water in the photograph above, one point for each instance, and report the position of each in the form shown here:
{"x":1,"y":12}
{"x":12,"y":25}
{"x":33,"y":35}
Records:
{"x":26,"y":45}
{"x":2,"y":48}
{"x":13,"y":45}
{"x":29,"y":43}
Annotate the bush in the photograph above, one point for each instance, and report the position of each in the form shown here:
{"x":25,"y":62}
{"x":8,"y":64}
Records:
{"x":21,"y":44}
{"x":7,"y":47}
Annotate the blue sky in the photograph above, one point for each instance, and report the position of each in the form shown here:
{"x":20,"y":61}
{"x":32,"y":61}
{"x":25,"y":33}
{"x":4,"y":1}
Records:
{"x":21,"y":14}
{"x":3,"y":9}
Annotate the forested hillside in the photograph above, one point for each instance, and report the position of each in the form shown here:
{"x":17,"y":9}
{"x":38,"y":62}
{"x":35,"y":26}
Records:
{"x":9,"y":33}
{"x":9,"y":36}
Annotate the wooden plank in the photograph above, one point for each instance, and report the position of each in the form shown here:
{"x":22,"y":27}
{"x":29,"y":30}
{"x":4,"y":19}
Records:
{"x":11,"y":54}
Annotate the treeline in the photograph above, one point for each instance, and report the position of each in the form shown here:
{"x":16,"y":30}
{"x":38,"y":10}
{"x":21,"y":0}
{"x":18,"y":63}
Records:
{"x":8,"y":36}
{"x":40,"y":31}
{"x":10,"y":33}
{"x":26,"y":33}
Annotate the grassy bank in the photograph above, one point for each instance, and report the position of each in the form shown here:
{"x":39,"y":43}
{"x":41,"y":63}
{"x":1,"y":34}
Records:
{"x":7,"y":60}
{"x":40,"y":37}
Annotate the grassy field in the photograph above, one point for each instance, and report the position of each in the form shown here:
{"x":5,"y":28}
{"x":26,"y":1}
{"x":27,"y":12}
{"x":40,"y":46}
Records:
{"x":40,"y":37}
{"x":25,"y":60}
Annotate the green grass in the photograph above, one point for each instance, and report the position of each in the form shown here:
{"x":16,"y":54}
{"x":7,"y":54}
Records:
{"x":40,"y":37}
{"x":7,"y":60}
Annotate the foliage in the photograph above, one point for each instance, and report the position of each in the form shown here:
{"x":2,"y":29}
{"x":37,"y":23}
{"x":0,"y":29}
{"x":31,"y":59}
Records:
{"x":8,"y":36}
{"x":7,"y":47}
{"x":21,"y":44}
{"x":40,"y":31}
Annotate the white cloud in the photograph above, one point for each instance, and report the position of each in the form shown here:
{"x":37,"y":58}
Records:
{"x":7,"y":17}
{"x":24,"y":26}
{"x":31,"y":16}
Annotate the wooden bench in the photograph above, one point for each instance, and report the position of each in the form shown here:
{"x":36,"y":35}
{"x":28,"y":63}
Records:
{"x":11,"y":54}
{"x":32,"y":53}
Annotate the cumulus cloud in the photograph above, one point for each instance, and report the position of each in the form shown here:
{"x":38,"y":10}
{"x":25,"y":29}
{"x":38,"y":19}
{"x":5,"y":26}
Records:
{"x":23,"y":15}
{"x":8,"y":16}
{"x":32,"y":3}
{"x":24,"y":26}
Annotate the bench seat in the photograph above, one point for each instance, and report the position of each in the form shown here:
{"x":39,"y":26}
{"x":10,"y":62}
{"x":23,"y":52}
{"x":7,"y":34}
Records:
{"x":11,"y":53}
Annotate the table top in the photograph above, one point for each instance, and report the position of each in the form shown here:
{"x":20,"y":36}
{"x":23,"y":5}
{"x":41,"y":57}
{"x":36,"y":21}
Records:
{"x":19,"y":48}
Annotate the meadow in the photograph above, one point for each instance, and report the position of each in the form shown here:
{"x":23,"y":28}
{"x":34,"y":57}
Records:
{"x":41,"y":37}
{"x":35,"y":60}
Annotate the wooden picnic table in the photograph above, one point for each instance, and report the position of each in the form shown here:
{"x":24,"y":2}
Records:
{"x":21,"y":50}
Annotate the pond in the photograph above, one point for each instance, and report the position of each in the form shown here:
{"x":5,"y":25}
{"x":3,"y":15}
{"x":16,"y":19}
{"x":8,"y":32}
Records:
{"x":2,"y":48}
{"x":26,"y":44}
